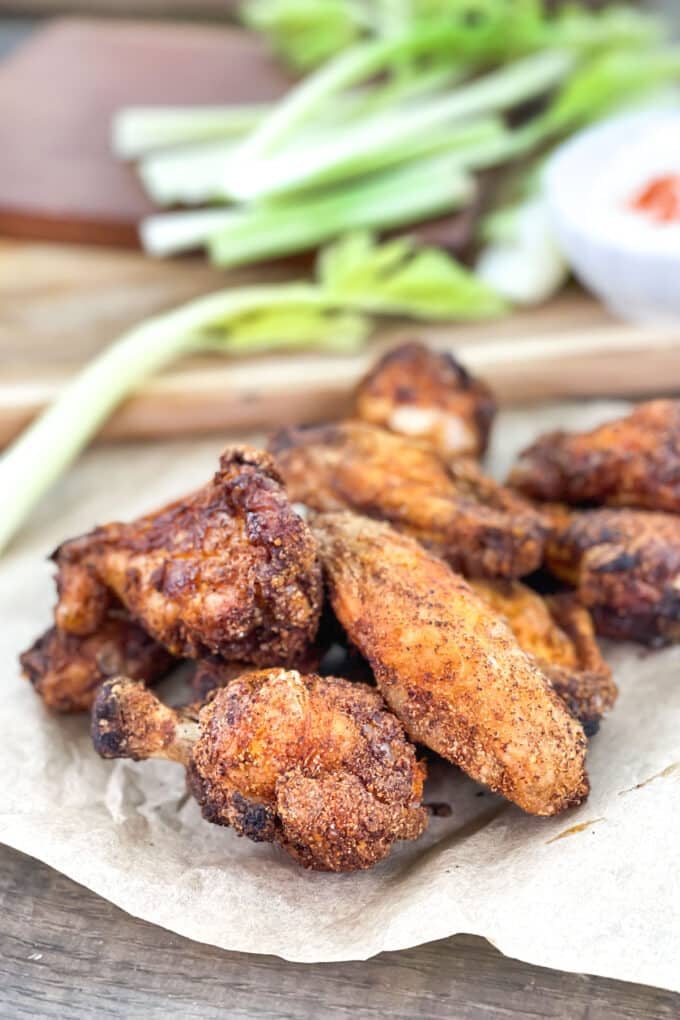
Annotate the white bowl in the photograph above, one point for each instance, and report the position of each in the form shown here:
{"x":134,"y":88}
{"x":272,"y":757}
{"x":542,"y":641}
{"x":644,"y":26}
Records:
{"x":632,"y":264}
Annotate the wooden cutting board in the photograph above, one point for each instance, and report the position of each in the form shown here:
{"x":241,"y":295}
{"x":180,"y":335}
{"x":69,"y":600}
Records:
{"x":59,"y":305}
{"x":58,"y":92}
{"x":58,"y":177}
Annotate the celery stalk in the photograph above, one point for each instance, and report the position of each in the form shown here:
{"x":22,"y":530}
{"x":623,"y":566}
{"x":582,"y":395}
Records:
{"x":138,"y":130}
{"x":48,"y":446}
{"x":175,"y":232}
{"x":355,"y":65}
{"x":291,"y":170}
{"x":190,"y":175}
{"x":382,"y":138}
{"x":387,"y":200}
{"x":355,"y":275}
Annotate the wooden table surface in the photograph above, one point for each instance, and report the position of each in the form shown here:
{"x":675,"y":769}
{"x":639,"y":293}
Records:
{"x":66,"y":953}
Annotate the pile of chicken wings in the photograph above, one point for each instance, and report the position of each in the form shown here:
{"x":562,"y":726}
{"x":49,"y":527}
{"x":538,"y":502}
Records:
{"x":374,"y":547}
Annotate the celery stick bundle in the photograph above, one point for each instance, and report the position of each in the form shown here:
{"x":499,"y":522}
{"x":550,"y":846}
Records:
{"x":406,"y":102}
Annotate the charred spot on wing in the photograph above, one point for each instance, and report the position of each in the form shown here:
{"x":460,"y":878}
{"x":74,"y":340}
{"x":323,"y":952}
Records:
{"x":255,"y":821}
{"x":249,"y":457}
{"x":106,"y":729}
{"x":34,"y":661}
{"x":303,"y":435}
{"x":620,"y":563}
{"x":107,"y":743}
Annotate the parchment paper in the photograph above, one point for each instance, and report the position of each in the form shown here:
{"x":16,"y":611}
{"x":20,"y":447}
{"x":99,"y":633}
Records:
{"x":593,"y":890}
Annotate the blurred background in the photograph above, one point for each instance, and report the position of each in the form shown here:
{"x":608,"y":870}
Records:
{"x":147,"y":158}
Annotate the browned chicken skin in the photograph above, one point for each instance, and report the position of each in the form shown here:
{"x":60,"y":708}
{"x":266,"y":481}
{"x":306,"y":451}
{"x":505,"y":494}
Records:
{"x":632,"y":461}
{"x":625,"y":565}
{"x":427,"y":394}
{"x":66,"y":670}
{"x":229,"y":570}
{"x":212,"y":673}
{"x":450,"y":667}
{"x":317,"y":765}
{"x":478,"y":526}
{"x":559,"y":633}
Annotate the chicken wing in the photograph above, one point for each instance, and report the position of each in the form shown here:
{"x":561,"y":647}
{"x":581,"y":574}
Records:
{"x":212,"y":673}
{"x":230,"y":570}
{"x":625,"y":565}
{"x":317,"y":765}
{"x":559,"y":633}
{"x":66,"y":669}
{"x":419,"y":392}
{"x":632,"y":461}
{"x":450,"y":667}
{"x":478,"y":526}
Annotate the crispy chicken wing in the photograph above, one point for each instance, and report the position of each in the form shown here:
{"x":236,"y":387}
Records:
{"x":212,"y":673}
{"x":317,"y":765}
{"x":450,"y":667}
{"x":625,"y":565}
{"x":559,"y":633}
{"x":419,"y":392}
{"x":229,"y":570}
{"x":632,"y":461}
{"x":478,"y":526}
{"x":66,"y":669}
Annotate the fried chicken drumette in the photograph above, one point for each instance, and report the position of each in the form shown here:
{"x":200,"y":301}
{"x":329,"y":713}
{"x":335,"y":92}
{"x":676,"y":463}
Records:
{"x":625,"y":565}
{"x":212,"y":673}
{"x":478,"y":526}
{"x":450,"y":667}
{"x":418,"y":392}
{"x":229,"y":570}
{"x":66,"y":670}
{"x":317,"y":765}
{"x":558,"y":632}
{"x":632,"y":461}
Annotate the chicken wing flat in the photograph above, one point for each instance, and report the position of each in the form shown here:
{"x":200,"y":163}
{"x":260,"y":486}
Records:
{"x":450,"y":667}
{"x":632,"y":461}
{"x":66,"y":670}
{"x":558,"y":632}
{"x":317,"y":765}
{"x":453,"y":509}
{"x":416,"y":391}
{"x":230,"y":570}
{"x":625,"y":565}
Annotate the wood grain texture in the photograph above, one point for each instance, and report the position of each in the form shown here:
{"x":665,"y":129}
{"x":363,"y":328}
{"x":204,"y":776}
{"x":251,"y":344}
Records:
{"x":66,"y":954}
{"x":59,"y":179}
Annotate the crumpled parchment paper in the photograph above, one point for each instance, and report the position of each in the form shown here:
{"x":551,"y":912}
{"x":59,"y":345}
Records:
{"x":593,"y":890}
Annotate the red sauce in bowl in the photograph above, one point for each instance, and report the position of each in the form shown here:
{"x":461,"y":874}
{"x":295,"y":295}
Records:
{"x":660,"y":199}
